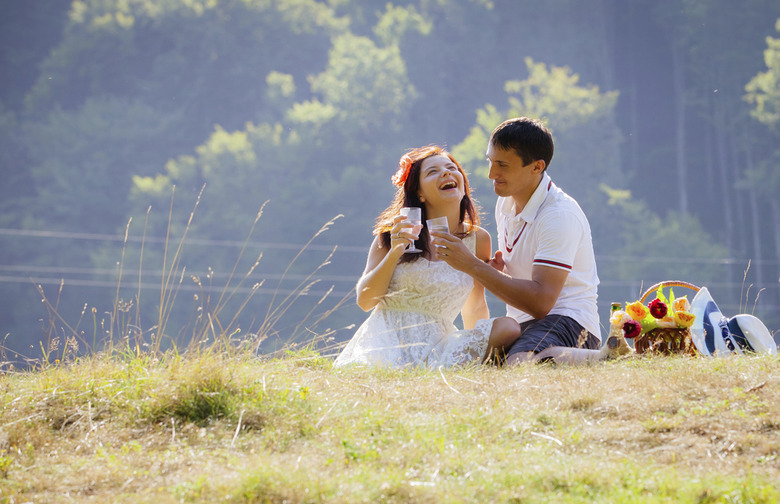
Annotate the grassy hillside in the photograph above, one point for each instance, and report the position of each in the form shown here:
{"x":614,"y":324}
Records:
{"x":221,"y":428}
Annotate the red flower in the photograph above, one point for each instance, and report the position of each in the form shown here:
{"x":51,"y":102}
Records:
{"x":658,"y":308}
{"x":632,"y":329}
{"x":404,"y":167}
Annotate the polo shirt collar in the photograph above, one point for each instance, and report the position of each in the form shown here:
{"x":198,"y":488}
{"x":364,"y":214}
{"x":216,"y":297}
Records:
{"x":532,"y":207}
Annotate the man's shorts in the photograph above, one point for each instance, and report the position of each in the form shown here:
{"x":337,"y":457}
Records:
{"x":553,"y":330}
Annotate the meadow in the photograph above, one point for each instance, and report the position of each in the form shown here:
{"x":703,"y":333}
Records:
{"x":133,"y":419}
{"x":216,"y":426}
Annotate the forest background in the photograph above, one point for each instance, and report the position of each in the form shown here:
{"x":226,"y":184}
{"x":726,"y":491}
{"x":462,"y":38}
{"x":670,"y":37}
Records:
{"x":665,"y":114}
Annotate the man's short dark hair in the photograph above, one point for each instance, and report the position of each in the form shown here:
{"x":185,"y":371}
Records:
{"x":529,"y":138}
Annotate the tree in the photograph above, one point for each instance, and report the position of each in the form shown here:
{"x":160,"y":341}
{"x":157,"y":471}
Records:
{"x":82,"y":162}
{"x":205,"y":60}
{"x":580,"y":117}
{"x":632,"y":242}
{"x":763,"y":92}
{"x":28,"y":31}
{"x":320,"y":160}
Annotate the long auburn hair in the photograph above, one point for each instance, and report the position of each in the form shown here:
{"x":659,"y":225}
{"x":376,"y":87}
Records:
{"x":407,"y":196}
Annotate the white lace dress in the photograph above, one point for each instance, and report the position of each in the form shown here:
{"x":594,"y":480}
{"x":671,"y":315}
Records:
{"x":413,"y":324}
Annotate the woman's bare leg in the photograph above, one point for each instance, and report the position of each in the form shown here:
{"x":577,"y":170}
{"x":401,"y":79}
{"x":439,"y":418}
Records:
{"x":505,"y":331}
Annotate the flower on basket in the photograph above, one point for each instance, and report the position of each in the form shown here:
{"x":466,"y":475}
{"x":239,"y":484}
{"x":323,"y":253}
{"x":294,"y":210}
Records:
{"x":632,"y":329}
{"x":637,"y":311}
{"x":658,"y":308}
{"x":638,"y":319}
{"x":682,"y":304}
{"x":684,"y":319}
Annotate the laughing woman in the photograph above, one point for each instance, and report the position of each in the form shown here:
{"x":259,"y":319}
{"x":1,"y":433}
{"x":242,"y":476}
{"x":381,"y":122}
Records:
{"x":413,"y":297}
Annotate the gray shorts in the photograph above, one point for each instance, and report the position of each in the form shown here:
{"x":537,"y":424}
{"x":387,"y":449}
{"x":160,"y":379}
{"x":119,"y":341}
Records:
{"x":553,"y":330}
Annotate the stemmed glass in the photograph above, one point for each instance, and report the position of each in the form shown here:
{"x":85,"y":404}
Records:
{"x":414,"y":217}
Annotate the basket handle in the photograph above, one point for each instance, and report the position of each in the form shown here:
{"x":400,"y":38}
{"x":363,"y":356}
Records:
{"x":668,"y":283}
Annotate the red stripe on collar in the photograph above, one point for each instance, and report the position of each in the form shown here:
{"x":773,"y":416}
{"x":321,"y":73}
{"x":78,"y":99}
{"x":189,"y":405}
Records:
{"x":506,"y":238}
{"x":514,"y":242}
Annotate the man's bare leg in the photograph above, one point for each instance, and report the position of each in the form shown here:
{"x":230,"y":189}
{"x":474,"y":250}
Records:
{"x":561,"y":355}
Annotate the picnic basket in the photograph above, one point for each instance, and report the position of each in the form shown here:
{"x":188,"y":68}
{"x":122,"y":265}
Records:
{"x":665,"y":340}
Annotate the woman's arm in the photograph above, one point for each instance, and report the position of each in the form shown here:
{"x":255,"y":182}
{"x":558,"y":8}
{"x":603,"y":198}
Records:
{"x":380,"y":266}
{"x":476,"y":307}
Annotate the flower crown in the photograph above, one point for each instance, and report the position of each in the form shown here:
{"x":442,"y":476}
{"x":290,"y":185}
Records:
{"x":404,"y":167}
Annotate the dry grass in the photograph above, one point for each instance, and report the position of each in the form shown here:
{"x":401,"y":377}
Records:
{"x":133,"y":422}
{"x":239,"y":429}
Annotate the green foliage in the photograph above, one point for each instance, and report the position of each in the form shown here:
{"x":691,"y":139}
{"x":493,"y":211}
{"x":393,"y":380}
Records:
{"x":397,"y":21}
{"x":368,"y":85}
{"x":471,"y":151}
{"x":206,"y":400}
{"x":555,"y":96}
{"x":173,"y":54}
{"x":645,"y":245}
{"x":280,"y":85}
{"x":109,"y":104}
{"x":364,"y":88}
{"x":763,"y":90}
{"x":90,"y":155}
{"x":17,"y":186}
{"x":580,"y":117}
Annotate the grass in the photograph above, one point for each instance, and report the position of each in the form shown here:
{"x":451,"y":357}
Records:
{"x":234,"y":428}
{"x":128,"y":418}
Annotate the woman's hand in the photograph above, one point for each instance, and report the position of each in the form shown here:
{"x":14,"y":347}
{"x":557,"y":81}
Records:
{"x":401,"y":233}
{"x":381,"y":263}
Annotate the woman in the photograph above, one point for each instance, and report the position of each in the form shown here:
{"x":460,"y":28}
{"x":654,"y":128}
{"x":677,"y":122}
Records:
{"x":414,"y":297}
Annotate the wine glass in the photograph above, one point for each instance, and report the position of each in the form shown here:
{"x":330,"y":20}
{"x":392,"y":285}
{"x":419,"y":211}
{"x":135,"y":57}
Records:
{"x":414,"y":217}
{"x":437,"y":224}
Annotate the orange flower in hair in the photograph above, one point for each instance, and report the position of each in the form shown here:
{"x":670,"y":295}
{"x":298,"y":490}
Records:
{"x":404,"y":167}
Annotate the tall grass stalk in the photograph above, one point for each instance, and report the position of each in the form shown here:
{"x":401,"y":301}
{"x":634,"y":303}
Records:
{"x":167,"y":292}
{"x":137,"y":325}
{"x":70,"y":334}
{"x":276,"y":311}
{"x":113,"y":321}
{"x":124,"y":335}
{"x":226,"y":295}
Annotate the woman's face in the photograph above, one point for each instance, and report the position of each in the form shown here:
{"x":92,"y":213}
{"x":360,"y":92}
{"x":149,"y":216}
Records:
{"x":441,"y":182}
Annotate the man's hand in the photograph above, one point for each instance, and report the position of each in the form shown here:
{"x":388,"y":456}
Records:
{"x":498,"y":261}
{"x":450,"y":249}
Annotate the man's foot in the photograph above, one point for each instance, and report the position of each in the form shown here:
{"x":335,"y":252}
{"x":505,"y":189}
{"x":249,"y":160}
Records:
{"x":615,"y":348}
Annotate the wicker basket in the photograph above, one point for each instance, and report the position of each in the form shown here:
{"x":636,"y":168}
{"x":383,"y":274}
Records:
{"x":666,"y":341}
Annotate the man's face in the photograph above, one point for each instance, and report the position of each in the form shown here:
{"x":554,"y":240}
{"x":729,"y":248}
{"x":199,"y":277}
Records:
{"x":511,"y":177}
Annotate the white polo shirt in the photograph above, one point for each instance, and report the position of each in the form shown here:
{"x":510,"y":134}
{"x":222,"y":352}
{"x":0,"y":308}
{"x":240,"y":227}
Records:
{"x":551,"y":231}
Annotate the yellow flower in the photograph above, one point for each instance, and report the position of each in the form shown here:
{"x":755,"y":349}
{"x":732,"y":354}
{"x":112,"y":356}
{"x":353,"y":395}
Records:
{"x":682,"y":304}
{"x":684,"y":318}
{"x":637,"y":311}
{"x":667,"y":322}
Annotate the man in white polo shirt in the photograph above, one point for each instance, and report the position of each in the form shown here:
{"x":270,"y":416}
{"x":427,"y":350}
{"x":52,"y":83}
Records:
{"x":544,"y":268}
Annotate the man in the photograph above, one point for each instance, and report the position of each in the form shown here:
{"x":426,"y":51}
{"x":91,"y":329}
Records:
{"x":544,"y":268}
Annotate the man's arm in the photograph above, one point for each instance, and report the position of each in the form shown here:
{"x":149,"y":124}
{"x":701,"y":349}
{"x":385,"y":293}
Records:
{"x":535,"y":297}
